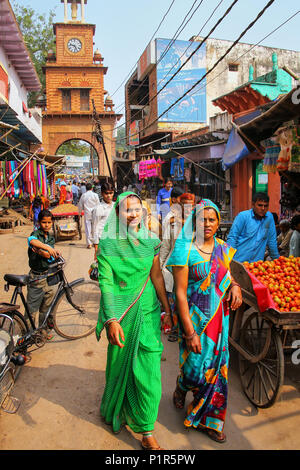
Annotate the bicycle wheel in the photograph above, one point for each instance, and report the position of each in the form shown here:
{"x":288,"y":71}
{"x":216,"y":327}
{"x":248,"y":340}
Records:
{"x":71,"y":322}
{"x":18,"y":329}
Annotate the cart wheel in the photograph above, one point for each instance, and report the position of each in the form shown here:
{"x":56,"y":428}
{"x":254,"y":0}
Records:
{"x":261,"y":380}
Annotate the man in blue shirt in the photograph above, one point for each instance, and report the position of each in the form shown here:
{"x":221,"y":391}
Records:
{"x":254,"y":230}
{"x":163,"y":200}
{"x":75,"y":192}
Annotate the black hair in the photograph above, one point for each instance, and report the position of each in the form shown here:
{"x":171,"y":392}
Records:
{"x":275,"y":216}
{"x":260,"y":196}
{"x":37,"y":201}
{"x":295,"y":221}
{"x":107,"y":187}
{"x":89,"y":186}
{"x":176,"y":191}
{"x":45,"y":213}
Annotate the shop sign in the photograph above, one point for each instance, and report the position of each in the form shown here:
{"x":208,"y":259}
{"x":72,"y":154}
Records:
{"x":134,"y":138}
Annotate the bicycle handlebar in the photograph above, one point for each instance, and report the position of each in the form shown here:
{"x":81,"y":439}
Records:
{"x":59,"y":263}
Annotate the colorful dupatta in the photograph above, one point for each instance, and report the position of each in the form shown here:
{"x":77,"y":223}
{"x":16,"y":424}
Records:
{"x":205,"y":374}
{"x":133,"y":381}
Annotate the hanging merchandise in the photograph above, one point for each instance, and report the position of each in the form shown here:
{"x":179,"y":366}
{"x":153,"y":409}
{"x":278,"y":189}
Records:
{"x":159,"y":164}
{"x":187,"y":173}
{"x":142,"y":170}
{"x":166,"y":169}
{"x":177,"y":169}
{"x":285,"y":140}
{"x":272,"y":151}
{"x":294,"y":164}
{"x":150,"y":168}
{"x":17,"y":180}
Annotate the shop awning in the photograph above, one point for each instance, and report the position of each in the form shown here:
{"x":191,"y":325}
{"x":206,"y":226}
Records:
{"x":176,"y":151}
{"x":286,"y":109}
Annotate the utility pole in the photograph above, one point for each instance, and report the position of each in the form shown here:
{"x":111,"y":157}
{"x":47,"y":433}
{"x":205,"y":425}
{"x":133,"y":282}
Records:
{"x":97,"y":132}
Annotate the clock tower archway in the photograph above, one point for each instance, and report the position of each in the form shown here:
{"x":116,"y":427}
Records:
{"x":75,"y":79}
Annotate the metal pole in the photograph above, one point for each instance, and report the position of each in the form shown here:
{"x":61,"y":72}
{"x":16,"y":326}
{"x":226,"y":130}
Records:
{"x":66,"y":11}
{"x":82,"y":11}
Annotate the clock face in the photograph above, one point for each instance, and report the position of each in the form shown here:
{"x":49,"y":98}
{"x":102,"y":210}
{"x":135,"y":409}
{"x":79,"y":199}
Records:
{"x":74,"y":45}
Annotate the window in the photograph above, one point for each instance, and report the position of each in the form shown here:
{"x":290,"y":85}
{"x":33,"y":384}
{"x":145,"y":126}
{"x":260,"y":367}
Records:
{"x":66,"y":100}
{"x":233,"y":67}
{"x":84,"y":100}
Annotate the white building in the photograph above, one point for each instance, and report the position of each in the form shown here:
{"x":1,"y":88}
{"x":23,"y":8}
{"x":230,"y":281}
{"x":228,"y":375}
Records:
{"x":17,"y":77}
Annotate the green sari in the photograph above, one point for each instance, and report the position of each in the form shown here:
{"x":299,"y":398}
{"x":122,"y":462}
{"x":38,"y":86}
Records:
{"x":133,"y":379}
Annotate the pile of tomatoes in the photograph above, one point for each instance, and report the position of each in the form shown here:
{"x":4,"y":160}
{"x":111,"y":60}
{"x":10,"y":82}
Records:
{"x":282,"y":277}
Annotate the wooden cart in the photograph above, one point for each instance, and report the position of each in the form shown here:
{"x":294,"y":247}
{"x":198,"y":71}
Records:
{"x":66,"y":225}
{"x":260,"y":339}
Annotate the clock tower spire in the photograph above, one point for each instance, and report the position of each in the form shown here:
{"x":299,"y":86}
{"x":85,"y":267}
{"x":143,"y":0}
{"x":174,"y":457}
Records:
{"x":74,"y":80}
{"x":74,"y":9}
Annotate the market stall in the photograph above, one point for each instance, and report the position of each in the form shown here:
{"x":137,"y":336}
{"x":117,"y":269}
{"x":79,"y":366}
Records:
{"x":66,"y":222}
{"x":264,"y":326}
{"x":275,"y":134}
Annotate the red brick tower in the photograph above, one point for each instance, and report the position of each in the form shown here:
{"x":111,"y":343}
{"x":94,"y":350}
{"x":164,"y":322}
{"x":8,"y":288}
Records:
{"x":75,"y":77}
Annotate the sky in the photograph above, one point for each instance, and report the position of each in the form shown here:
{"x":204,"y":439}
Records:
{"x":124,"y":28}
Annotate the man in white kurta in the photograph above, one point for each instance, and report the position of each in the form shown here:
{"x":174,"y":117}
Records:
{"x":101,"y":213}
{"x":87,"y":203}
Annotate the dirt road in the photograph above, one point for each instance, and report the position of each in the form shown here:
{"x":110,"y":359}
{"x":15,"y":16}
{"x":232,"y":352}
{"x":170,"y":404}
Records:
{"x":61,"y":387}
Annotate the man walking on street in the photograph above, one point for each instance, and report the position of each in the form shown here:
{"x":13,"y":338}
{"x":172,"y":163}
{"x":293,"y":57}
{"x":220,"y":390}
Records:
{"x":88,"y":201}
{"x":253,"y":230}
{"x":75,"y":192}
{"x":101,"y":213}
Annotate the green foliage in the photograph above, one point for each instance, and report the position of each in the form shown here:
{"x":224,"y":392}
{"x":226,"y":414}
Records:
{"x":121,"y":140}
{"x":74,"y":147}
{"x":39,"y":38}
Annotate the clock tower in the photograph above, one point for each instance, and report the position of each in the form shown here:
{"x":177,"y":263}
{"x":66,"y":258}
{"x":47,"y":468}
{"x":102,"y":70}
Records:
{"x":75,"y":79}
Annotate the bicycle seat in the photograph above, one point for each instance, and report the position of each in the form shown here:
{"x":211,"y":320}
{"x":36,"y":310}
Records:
{"x":17,"y":280}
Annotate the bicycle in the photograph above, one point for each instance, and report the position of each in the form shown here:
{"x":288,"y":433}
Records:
{"x":73,"y":310}
{"x":8,"y":363}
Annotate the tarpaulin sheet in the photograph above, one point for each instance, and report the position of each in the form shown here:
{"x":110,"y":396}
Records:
{"x":263,"y":295}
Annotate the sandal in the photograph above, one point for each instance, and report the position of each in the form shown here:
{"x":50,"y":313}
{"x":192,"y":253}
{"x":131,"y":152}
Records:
{"x":179,"y":398}
{"x":216,"y":436}
{"x":172,"y":337}
{"x":150,"y":447}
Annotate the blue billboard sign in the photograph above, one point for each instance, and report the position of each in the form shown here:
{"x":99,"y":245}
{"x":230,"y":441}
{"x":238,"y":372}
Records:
{"x":192,"y":108}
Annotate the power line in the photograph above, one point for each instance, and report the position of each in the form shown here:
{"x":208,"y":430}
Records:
{"x":182,"y":25}
{"x":215,"y":65}
{"x":189,"y":57}
{"x":247,"y":52}
{"x":252,"y":47}
{"x":191,"y":42}
{"x":162,"y":20}
{"x":218,"y":61}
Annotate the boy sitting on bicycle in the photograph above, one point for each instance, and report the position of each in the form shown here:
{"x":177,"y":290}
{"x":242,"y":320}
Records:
{"x":41,"y":254}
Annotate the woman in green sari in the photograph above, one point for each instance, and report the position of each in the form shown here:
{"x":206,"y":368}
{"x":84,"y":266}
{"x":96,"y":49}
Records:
{"x":130,"y":280}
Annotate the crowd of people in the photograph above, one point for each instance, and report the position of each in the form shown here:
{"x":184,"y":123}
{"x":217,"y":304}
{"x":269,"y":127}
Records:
{"x":165,"y":268}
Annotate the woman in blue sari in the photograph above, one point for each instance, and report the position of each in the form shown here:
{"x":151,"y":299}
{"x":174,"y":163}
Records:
{"x":200,"y":264}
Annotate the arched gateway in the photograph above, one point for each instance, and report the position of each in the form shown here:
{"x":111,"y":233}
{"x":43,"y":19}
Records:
{"x":74,"y":80}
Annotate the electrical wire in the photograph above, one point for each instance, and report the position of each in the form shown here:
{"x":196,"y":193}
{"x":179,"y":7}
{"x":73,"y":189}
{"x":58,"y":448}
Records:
{"x":247,"y":52}
{"x":182,"y":25}
{"x":197,"y":48}
{"x":216,"y":63}
{"x":134,"y":67}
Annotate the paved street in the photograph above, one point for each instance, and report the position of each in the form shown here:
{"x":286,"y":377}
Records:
{"x":60,"y":390}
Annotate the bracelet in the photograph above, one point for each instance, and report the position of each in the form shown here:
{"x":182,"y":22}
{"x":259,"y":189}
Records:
{"x":233,"y":284}
{"x":191,"y":336}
